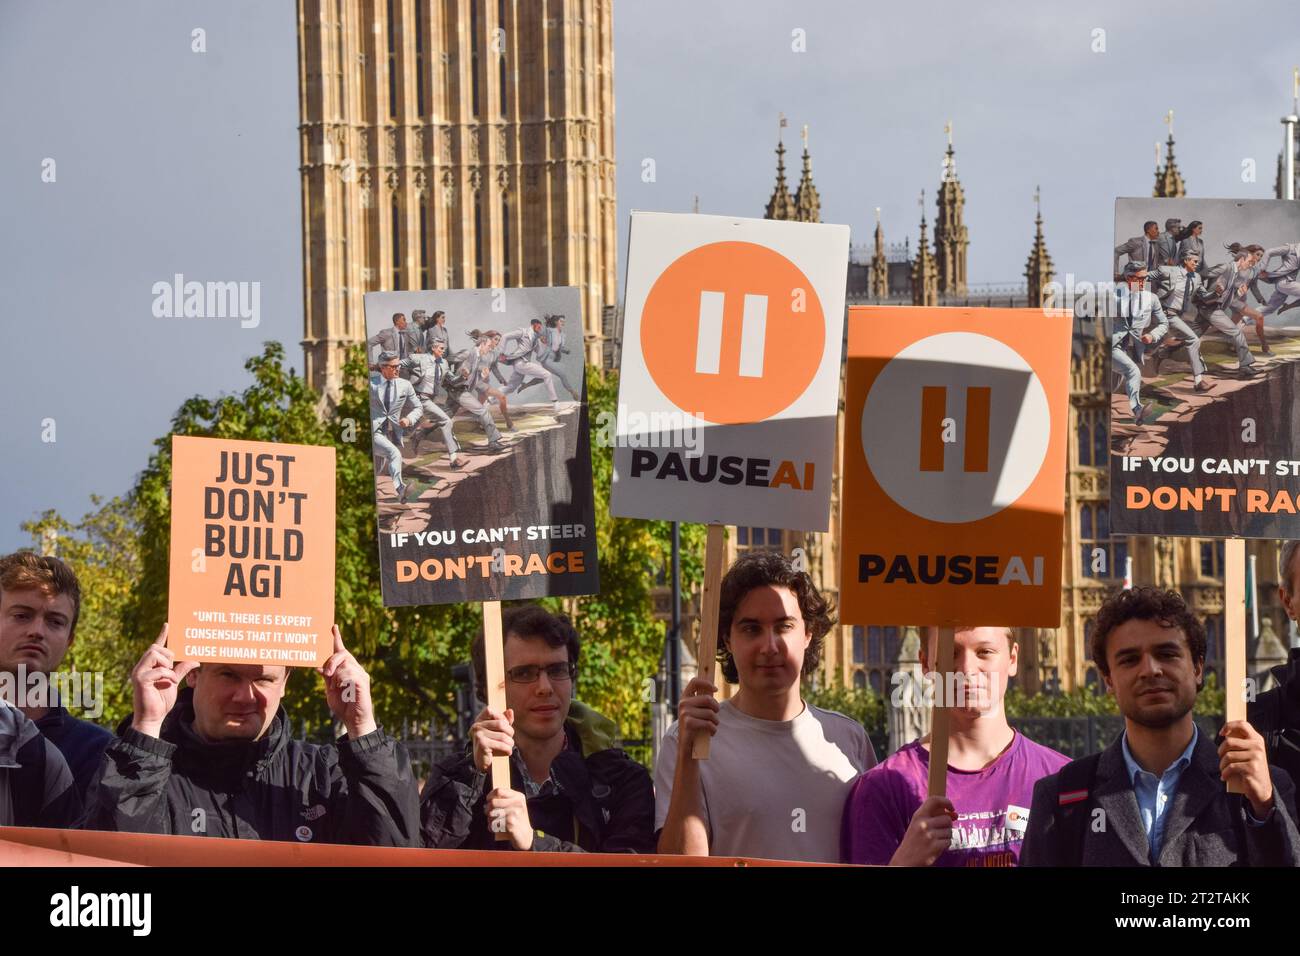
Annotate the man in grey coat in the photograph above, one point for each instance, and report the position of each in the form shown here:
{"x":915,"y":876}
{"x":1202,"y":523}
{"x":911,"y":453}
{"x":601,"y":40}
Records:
{"x":1167,"y":243}
{"x":1286,"y":275}
{"x":1157,"y":795}
{"x":1178,"y":289}
{"x":1139,"y":321}
{"x":1142,"y":249}
{"x":389,"y":398}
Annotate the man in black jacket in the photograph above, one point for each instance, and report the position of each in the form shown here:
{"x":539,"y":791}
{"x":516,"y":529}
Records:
{"x":40,"y":601}
{"x":1276,"y":712}
{"x":1156,"y":796}
{"x":571,"y":788}
{"x":221,"y":760}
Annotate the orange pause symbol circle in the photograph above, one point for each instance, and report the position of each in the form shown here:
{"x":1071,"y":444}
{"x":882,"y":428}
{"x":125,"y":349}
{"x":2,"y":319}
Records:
{"x":733,"y":332}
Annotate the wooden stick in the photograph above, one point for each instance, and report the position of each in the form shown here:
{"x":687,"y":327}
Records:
{"x":494,"y":659}
{"x":939,"y":717}
{"x":1234,"y":635}
{"x":708,"y":651}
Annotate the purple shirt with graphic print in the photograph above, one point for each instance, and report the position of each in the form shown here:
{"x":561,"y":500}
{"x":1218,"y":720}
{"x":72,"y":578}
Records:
{"x":992,"y":805}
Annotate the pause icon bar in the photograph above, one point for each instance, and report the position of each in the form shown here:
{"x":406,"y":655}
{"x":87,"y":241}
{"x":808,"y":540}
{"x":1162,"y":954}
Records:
{"x":936,"y":428}
{"x":753,"y":334}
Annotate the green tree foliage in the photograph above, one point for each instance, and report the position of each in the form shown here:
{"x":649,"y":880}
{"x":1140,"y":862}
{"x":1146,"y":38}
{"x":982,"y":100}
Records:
{"x":121,"y":552}
{"x":103,"y":547}
{"x":861,"y":703}
{"x":1085,"y":702}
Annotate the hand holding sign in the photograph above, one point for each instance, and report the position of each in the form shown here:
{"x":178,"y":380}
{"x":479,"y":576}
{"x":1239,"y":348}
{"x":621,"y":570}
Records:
{"x":347,"y":688}
{"x":697,"y":715}
{"x":928,"y":835}
{"x":493,"y":734}
{"x":154,"y":684}
{"x":509,"y":809}
{"x":1242,"y":758}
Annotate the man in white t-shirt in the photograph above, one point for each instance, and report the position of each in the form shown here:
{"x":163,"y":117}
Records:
{"x":779,"y":769}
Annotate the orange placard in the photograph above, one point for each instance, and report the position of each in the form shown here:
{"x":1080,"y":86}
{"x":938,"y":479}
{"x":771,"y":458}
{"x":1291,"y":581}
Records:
{"x":954,"y":466}
{"x":252,"y":552}
{"x":39,"y":847}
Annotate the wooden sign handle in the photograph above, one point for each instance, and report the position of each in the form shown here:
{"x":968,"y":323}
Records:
{"x":940,"y":715}
{"x":709,"y":601}
{"x":1234,"y":635}
{"x":495,"y":661}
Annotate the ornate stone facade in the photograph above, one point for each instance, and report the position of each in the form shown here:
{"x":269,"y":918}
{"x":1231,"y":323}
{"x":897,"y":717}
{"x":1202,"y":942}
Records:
{"x":452,"y":144}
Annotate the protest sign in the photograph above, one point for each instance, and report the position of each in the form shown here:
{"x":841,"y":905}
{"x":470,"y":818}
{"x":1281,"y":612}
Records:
{"x":729,"y":382}
{"x":252,"y":552}
{"x":481,"y":445}
{"x":954,"y":466}
{"x":1205,"y":357}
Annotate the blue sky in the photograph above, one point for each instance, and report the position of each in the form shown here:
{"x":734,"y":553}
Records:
{"x":169,"y":161}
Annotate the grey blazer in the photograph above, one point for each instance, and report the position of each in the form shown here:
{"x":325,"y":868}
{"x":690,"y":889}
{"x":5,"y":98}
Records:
{"x":1138,"y":249}
{"x":1205,"y":826}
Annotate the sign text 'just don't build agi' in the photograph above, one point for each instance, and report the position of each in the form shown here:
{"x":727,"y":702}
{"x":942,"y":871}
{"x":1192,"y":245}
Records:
{"x":252,"y":552}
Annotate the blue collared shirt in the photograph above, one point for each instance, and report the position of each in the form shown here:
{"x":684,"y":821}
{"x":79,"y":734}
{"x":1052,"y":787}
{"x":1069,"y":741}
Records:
{"x":1154,"y":793}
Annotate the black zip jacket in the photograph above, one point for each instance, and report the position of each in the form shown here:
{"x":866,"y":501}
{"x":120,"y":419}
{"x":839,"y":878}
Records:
{"x":605,"y":802}
{"x":354,"y":791}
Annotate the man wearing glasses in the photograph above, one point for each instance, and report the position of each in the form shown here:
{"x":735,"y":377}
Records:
{"x":1139,"y":321}
{"x":571,"y":789}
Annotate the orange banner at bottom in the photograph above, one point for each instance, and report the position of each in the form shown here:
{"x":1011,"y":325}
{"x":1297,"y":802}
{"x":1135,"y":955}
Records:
{"x":20,"y":846}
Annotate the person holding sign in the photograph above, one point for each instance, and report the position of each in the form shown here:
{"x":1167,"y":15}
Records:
{"x":1276,"y":713}
{"x":779,"y":769}
{"x":1156,"y":796}
{"x":571,"y":789}
{"x":218,"y":759}
{"x":992,"y":769}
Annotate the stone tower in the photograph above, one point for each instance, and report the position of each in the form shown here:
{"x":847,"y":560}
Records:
{"x":925,"y":277}
{"x":1038,"y":270}
{"x":452,"y":144}
{"x":807,"y":204}
{"x":950,"y":237}
{"x":781,"y":205}
{"x":1169,"y":181}
{"x":879,"y":283}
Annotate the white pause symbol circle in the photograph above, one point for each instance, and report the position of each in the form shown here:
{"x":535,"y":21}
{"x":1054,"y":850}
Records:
{"x":941,"y":408}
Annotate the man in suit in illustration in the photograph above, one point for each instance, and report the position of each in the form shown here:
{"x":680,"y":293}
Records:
{"x":1167,"y":243}
{"x":429,"y":372}
{"x":1223,"y":298}
{"x":389,"y":398}
{"x":1141,"y":249}
{"x":1158,"y":790}
{"x":523,"y":350}
{"x":398,"y":339}
{"x":1178,"y":289}
{"x":1139,"y":321}
{"x":1286,"y":276}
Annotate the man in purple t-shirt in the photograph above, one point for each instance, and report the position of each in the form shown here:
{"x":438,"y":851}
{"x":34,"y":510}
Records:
{"x":888,"y":819}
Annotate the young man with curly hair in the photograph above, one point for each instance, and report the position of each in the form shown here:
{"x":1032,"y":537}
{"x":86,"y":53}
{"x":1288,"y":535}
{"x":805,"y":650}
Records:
{"x":1156,"y":796}
{"x":779,"y":768}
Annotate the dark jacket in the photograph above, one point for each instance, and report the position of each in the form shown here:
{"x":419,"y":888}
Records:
{"x":1276,"y":715}
{"x":36,"y":787}
{"x":81,"y":743}
{"x":1204,"y":826}
{"x":605,"y":802}
{"x":354,"y":791}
